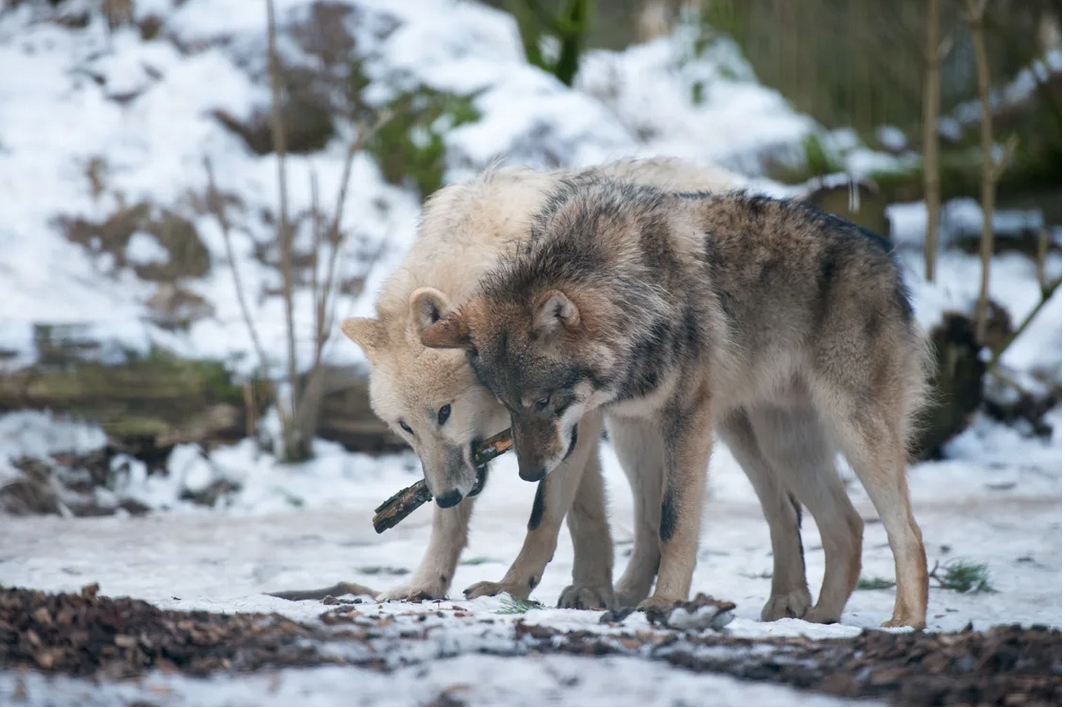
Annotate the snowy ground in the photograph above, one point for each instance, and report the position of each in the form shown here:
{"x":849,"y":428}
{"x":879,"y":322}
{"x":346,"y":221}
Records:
{"x":995,"y":500}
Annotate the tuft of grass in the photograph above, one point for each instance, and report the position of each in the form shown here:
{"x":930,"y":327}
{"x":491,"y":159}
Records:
{"x":477,"y":560}
{"x":964,"y":577}
{"x":764,"y":575}
{"x":874,"y":584}
{"x":516,"y":606}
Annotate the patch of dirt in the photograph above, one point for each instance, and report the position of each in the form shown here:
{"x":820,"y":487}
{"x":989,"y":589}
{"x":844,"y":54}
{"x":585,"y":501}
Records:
{"x":88,"y":635}
{"x":187,"y":257}
{"x":1002,"y":666}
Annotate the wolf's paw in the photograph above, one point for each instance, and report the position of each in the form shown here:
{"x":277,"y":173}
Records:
{"x":415,"y":592}
{"x":793,"y":604}
{"x":629,"y":595}
{"x":918,"y":623}
{"x":658,"y":605}
{"x":821,"y":615}
{"x":518,"y":591}
{"x":587,"y":597}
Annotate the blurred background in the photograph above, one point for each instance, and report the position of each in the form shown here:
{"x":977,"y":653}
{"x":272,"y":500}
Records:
{"x":193,"y":194}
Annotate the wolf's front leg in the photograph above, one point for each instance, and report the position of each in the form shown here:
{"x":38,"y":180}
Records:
{"x":433,"y":577}
{"x":593,"y":546}
{"x":554,"y":497}
{"x":688,"y":440}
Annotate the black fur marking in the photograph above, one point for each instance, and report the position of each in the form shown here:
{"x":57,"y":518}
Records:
{"x":668,"y":525}
{"x":693,"y":328}
{"x":726,"y":306}
{"x":798,"y":527}
{"x":831,"y":260}
{"x":838,"y":227}
{"x":902,"y":293}
{"x":649,"y":356}
{"x":538,"y":508}
{"x":443,"y":579}
{"x":572,"y":443}
{"x":533,"y":582}
{"x":561,"y":400}
{"x":658,"y":254}
{"x":712,"y":253}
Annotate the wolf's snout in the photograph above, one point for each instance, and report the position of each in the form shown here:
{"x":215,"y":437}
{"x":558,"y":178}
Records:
{"x":449,"y":499}
{"x":531,"y":472}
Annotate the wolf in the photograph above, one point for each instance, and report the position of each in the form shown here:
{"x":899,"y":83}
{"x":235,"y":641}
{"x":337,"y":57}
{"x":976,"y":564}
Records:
{"x":433,"y":401}
{"x":786,"y":329}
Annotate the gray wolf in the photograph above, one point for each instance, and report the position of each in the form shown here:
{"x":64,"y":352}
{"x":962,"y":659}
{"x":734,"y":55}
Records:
{"x":433,"y":401}
{"x":784,"y":328}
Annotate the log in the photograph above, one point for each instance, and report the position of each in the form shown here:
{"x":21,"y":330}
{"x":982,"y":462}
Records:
{"x":403,"y":503}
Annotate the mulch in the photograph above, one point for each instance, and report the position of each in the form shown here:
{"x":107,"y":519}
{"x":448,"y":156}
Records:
{"x":116,"y":638}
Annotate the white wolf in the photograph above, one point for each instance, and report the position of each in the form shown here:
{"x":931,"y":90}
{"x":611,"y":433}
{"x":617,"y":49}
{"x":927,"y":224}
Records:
{"x":433,"y":401}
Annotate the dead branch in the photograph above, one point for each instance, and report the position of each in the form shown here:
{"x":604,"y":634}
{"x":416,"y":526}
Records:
{"x":217,"y":207}
{"x":337,"y":238}
{"x":1045,"y":294}
{"x":1041,"y":248}
{"x":277,"y":133}
{"x":316,"y":226}
{"x":933,"y":56}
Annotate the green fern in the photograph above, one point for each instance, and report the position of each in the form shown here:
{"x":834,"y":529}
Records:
{"x":516,"y":606}
{"x":964,"y":577}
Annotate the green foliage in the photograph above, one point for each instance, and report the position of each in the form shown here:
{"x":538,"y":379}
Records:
{"x":819,"y":160}
{"x":569,"y":27}
{"x":478,"y":560}
{"x":874,"y":584}
{"x":410,"y":148}
{"x":515,"y":606}
{"x":964,"y":577}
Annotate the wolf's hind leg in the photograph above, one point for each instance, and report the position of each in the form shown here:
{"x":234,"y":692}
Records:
{"x":794,"y":441}
{"x":789,"y":595}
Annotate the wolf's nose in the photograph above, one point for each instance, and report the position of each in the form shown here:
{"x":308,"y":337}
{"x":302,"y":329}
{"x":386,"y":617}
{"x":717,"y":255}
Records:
{"x":449,"y":499}
{"x":531,"y":473}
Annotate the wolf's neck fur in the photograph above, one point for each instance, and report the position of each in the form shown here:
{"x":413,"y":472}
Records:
{"x":629,"y":259}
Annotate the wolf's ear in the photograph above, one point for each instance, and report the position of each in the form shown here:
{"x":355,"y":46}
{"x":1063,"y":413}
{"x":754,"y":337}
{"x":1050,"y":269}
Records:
{"x":452,"y":332}
{"x":553,"y":310}
{"x":367,"y":332}
{"x":427,"y":307}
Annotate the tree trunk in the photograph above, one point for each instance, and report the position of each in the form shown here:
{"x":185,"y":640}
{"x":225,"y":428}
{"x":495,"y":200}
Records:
{"x":931,"y":142}
{"x":987,"y":187}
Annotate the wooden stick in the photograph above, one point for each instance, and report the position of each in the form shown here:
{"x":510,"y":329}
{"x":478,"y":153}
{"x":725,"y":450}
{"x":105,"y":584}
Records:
{"x":403,"y":503}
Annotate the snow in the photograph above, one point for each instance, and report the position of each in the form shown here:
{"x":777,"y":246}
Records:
{"x":38,"y":435}
{"x":891,"y":137}
{"x":222,"y":559}
{"x":145,"y":109}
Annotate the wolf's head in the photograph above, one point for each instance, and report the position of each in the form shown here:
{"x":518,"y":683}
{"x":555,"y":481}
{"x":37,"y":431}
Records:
{"x":540,"y":359}
{"x":430,"y":398}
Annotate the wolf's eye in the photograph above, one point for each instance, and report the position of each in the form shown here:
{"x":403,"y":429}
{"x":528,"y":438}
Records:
{"x":443,"y":414}
{"x":406,"y":428}
{"x":542,"y":403}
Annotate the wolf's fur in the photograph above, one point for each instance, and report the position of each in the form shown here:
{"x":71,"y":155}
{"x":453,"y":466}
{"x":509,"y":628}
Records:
{"x":465,"y":230}
{"x":787,"y":329}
